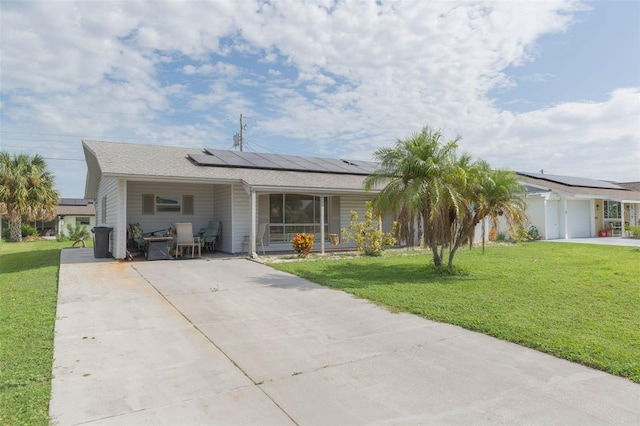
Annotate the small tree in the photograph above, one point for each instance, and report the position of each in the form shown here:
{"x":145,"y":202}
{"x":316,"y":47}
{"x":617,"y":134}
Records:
{"x":369,"y":240}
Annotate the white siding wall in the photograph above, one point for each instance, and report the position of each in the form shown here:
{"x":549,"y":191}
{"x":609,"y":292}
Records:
{"x":108,"y":189}
{"x":222,"y":209}
{"x":536,"y":214}
{"x":62,"y":227}
{"x":202,"y":200}
{"x":241,"y":214}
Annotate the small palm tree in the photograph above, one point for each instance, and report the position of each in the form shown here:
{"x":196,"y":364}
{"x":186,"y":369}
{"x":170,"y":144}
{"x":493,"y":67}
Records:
{"x":416,"y":173}
{"x":427,"y":182}
{"x":26,"y":189}
{"x":78,"y":234}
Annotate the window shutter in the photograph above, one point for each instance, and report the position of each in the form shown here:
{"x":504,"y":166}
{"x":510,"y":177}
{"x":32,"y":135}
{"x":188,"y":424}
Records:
{"x":148,"y":204}
{"x":187,"y":204}
{"x":103,"y":219}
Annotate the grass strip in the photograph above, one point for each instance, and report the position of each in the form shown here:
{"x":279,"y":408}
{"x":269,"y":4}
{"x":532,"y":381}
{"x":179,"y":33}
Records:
{"x":28,"y":294}
{"x":574,"y":301}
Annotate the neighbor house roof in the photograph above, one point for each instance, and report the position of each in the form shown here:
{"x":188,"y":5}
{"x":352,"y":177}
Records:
{"x":153,"y":162}
{"x":634,"y":186}
{"x":75,"y":207}
{"x":580,"y":187}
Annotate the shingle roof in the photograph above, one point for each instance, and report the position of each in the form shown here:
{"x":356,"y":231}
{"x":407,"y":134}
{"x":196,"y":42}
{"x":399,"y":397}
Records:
{"x":131,"y":161}
{"x":138,"y":161}
{"x":634,"y":186}
{"x":88,"y":210}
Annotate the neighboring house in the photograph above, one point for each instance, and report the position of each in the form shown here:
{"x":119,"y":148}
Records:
{"x":74,"y":211}
{"x":158,"y":186}
{"x":572,"y":207}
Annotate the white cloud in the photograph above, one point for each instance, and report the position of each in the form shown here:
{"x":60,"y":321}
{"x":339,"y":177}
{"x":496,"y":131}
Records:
{"x":576,"y":139}
{"x":345,"y":77}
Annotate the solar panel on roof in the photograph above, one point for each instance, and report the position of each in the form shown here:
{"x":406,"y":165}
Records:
{"x":206,"y":160}
{"x":337,"y":166}
{"x":254,"y":160}
{"x":286,"y":164}
{"x":573,"y":181}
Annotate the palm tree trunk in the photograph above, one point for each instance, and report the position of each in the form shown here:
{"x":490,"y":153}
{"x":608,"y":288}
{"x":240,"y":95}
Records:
{"x":15,"y":229}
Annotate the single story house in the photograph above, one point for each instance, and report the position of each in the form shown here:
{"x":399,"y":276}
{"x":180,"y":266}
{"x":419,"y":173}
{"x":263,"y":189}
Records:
{"x":74,"y":211}
{"x":158,"y":186}
{"x":572,"y":207}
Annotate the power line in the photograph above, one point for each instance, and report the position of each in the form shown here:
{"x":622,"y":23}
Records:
{"x":90,"y":137}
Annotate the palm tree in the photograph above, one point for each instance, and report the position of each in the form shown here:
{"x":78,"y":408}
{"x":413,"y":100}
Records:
{"x":426,"y":181}
{"x":26,"y":189}
{"x":414,"y":172}
{"x":485,"y":193}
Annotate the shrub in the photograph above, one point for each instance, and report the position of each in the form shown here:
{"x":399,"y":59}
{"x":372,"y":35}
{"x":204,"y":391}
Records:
{"x":26,"y":229}
{"x":302,"y":244}
{"x":533,"y":234}
{"x":521,"y":234}
{"x":368,"y":238}
{"x":634,"y":231}
{"x":77,"y":233}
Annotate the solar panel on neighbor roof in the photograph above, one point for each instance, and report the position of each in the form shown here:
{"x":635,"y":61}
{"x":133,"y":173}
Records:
{"x":573,"y":181}
{"x":281,"y":162}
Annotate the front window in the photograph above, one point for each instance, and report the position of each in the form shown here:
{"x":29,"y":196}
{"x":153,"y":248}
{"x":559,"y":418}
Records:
{"x":168,"y":203}
{"x":82,"y":220}
{"x":291,"y":214}
{"x":611,"y":210}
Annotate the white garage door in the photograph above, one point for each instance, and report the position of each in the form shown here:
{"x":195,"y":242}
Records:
{"x":578,"y":219}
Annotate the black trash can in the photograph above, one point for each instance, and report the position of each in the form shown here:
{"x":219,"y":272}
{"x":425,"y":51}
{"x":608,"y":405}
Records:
{"x":101,"y":241}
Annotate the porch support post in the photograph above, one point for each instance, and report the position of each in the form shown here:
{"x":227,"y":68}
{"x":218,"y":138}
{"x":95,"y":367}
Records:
{"x":565,"y":207}
{"x":621,"y":218}
{"x":252,"y":225}
{"x":322,"y":224}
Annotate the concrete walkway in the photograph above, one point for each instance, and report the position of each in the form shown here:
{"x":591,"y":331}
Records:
{"x":234,"y":342}
{"x":607,"y":241}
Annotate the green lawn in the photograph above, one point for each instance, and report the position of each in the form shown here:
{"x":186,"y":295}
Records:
{"x":575,"y":301}
{"x":28,"y":293}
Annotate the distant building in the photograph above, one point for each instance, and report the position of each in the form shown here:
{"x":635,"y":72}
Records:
{"x":74,"y":211}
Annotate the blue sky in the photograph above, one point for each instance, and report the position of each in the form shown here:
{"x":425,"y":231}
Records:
{"x":552,"y":85}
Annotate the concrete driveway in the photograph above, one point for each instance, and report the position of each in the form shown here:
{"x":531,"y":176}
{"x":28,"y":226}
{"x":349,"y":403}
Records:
{"x":231,"y":341}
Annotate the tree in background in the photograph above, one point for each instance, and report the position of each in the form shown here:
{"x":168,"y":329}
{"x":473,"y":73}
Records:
{"x":426,"y":182}
{"x":26,"y":189}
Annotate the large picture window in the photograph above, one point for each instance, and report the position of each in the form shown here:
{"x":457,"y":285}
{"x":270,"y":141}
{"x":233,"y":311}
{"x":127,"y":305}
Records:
{"x":292,"y":214}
